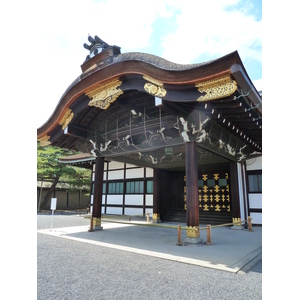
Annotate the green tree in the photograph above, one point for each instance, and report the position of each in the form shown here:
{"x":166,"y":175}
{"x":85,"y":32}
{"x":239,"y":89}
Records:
{"x":49,"y":168}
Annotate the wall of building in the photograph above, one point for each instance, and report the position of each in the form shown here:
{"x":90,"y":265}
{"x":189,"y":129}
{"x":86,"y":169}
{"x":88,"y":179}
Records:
{"x":254,"y":172}
{"x":127,"y":189}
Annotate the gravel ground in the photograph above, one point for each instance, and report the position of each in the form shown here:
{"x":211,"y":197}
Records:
{"x":69,"y":269}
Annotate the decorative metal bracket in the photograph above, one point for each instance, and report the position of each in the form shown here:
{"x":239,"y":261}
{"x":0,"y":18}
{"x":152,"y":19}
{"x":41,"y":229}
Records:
{"x":66,"y":119}
{"x":253,"y":107}
{"x":216,"y":88}
{"x":154,"y":87}
{"x":242,"y":94}
{"x":44,"y":141}
{"x":104,"y":94}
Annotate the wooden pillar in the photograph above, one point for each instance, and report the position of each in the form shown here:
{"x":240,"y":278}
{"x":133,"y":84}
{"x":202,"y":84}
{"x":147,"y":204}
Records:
{"x":156,"y":196}
{"x":98,"y":188}
{"x":192,"y":200}
{"x":234,"y":195}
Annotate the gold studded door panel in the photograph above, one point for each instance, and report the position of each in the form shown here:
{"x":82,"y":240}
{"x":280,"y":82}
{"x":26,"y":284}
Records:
{"x":213,"y":190}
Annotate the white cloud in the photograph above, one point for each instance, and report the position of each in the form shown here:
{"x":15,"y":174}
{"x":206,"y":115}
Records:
{"x":258,"y":84}
{"x":61,"y":28}
{"x":209,"y":28}
{"x":54,"y":32}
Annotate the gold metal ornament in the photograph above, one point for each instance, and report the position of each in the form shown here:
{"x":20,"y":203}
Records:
{"x":217,"y":207}
{"x":97,"y":221}
{"x":155,"y":217}
{"x":44,"y":141}
{"x":206,"y":207}
{"x":193,"y":231}
{"x":104,"y":94}
{"x":66,"y":119}
{"x":154,"y":87}
{"x":216,"y":176}
{"x":236,"y":221}
{"x":216,"y":88}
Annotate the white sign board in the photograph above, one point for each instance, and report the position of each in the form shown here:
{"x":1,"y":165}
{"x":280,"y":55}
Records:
{"x":53,"y":203}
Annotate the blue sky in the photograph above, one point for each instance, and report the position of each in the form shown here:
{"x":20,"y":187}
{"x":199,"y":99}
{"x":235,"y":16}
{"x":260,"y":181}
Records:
{"x":189,"y":31}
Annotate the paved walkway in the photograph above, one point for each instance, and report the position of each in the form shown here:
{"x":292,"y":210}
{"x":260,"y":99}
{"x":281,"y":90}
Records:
{"x":232,"y":250}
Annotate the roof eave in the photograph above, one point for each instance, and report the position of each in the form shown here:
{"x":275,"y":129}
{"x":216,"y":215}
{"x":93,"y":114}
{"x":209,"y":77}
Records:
{"x":246,"y":85}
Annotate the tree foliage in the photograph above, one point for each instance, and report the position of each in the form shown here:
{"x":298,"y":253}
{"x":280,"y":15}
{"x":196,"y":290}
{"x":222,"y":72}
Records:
{"x":49,"y":167}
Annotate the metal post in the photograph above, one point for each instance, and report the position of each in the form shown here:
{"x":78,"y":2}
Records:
{"x":147,"y":217}
{"x":208,"y":233}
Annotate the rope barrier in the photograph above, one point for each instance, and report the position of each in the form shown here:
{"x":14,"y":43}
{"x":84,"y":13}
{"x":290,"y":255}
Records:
{"x":233,"y":223}
{"x":174,"y":226}
{"x":120,"y":217}
{"x":208,"y":227}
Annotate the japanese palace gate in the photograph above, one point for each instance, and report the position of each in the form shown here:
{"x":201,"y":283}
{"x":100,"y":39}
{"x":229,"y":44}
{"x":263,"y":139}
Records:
{"x":194,"y":125}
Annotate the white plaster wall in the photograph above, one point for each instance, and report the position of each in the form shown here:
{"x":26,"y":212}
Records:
{"x":115,"y":165}
{"x":241,"y":194}
{"x":134,"y":173}
{"x":149,"y":172}
{"x":115,"y":199}
{"x":254,"y":163}
{"x":150,"y":211}
{"x":92,"y":199}
{"x":133,"y":199}
{"x":149,"y":199}
{"x":255,"y":200}
{"x":114,"y":210}
{"x":256,"y":218}
{"x":133,"y":211}
{"x":119,"y":174}
{"x":128,"y":166}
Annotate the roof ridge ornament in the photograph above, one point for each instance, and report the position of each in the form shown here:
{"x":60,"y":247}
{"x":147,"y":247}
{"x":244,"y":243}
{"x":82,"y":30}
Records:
{"x":97,"y":46}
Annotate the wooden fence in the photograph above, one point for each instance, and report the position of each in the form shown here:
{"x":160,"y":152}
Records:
{"x":66,"y":200}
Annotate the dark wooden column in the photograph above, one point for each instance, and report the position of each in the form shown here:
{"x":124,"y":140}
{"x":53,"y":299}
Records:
{"x":98,"y":188}
{"x":234,"y":193}
{"x":192,"y":200}
{"x":156,"y":195}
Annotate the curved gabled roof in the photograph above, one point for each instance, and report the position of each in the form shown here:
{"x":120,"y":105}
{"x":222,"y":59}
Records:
{"x":115,"y":96}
